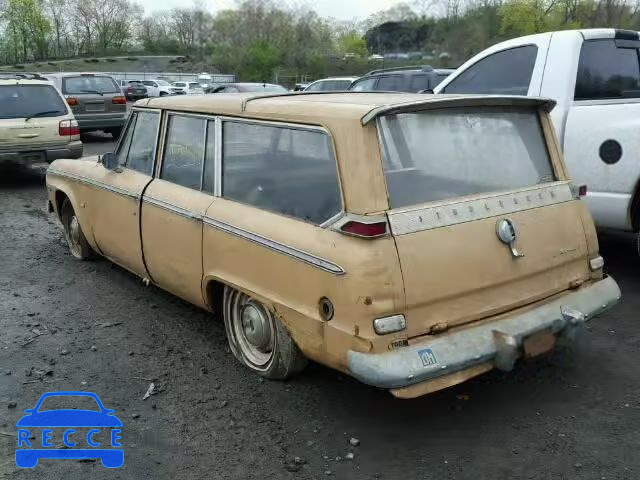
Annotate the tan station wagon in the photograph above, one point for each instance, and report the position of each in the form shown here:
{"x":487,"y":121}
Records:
{"x":410,"y":241}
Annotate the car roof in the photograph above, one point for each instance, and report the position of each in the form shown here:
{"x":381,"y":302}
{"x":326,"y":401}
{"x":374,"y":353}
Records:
{"x":23,"y":81}
{"x":328,"y":79}
{"x":327,"y":108}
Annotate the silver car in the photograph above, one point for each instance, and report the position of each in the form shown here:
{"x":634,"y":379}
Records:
{"x":95,"y":99}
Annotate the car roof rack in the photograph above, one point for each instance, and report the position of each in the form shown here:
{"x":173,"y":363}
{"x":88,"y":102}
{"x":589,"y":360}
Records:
{"x":21,"y":76}
{"x":423,"y":68}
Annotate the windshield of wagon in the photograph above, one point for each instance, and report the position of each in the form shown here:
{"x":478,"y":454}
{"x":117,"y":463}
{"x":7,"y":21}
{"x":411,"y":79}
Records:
{"x":447,"y":153}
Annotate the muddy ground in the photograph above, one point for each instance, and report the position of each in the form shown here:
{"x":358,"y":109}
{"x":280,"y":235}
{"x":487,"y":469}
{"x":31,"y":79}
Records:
{"x":69,"y":325}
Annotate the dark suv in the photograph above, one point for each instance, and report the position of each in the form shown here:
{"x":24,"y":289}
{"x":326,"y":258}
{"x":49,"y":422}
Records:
{"x":402,"y":79}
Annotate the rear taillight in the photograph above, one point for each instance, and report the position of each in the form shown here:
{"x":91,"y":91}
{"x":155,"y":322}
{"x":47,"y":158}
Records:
{"x":582,"y":191}
{"x":367,"y":230}
{"x":72,"y":102}
{"x":68,"y":128}
{"x":119,"y":100}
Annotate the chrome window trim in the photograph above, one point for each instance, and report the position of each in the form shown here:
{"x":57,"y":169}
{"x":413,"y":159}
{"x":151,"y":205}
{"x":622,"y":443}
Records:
{"x":138,"y":111}
{"x":183,"y":212}
{"x":217,"y":189}
{"x":277,"y":123}
{"x":306,"y":257}
{"x":92,"y":182}
{"x":457,"y":211}
{"x":204,"y":153}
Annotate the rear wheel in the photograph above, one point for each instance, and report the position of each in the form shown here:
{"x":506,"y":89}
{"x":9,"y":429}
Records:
{"x":76,"y":240}
{"x":115,"y":132}
{"x":258,"y":339}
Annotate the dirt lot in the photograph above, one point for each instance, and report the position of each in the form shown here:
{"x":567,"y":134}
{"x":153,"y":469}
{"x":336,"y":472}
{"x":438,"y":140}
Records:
{"x":69,"y":325}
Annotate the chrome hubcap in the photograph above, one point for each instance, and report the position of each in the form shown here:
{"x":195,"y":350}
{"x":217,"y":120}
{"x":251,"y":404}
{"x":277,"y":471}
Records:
{"x":74,"y":234}
{"x":253,"y":330}
{"x":255,"y":326}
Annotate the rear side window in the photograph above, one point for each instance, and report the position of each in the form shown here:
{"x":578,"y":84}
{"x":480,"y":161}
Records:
{"x":184,"y":151}
{"x":281,"y":169}
{"x":419,"y":82}
{"x":89,"y":84}
{"x":21,"y":101}
{"x":507,"y":72}
{"x":138,"y":146}
{"x":449,"y":153}
{"x":607,"y":71}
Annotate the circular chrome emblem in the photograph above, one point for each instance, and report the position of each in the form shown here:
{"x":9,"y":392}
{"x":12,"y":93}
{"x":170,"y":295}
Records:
{"x":506,"y":231}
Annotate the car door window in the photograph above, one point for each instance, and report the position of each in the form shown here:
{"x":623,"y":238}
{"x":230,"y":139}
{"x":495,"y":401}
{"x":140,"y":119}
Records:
{"x":143,"y":143}
{"x":184,"y":151}
{"x":391,"y":83}
{"x":365,"y":85}
{"x":507,"y":72}
{"x":286,"y":170}
{"x":607,"y":71}
{"x":125,"y":140}
{"x":419,"y":82}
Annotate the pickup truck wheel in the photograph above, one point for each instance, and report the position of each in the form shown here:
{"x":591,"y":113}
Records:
{"x":76,"y":240}
{"x":258,"y":339}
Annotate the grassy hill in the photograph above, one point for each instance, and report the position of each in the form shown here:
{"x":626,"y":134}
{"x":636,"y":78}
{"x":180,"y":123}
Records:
{"x":163,"y":63}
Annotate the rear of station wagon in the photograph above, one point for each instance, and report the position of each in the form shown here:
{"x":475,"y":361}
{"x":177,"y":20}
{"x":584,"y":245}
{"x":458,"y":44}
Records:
{"x":413,"y":242}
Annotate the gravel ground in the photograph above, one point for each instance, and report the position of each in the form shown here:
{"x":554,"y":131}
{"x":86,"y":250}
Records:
{"x":69,"y":325}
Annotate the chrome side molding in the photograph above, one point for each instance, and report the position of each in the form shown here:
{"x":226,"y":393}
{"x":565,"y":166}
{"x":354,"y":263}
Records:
{"x":306,"y":257}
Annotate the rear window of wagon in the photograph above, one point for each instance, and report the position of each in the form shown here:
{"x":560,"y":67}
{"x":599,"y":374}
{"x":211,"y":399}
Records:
{"x":448,"y":153}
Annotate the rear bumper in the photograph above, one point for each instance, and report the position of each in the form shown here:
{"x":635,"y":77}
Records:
{"x":100,"y":121}
{"x":499,"y":343}
{"x":39,"y":154}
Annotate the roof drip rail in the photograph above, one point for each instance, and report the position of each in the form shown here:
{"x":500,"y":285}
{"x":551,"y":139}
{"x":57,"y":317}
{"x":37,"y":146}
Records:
{"x":296,"y":94}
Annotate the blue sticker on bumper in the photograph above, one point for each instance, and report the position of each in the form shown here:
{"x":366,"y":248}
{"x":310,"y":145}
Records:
{"x":427,"y":357}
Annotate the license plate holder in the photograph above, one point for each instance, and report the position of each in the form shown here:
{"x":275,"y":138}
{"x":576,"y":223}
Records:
{"x":539,"y":343}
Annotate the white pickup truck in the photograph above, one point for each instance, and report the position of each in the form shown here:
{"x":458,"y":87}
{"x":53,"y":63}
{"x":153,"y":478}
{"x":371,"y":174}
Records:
{"x":594,"y":76}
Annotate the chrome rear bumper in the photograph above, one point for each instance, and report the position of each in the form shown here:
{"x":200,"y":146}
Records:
{"x":499,"y":342}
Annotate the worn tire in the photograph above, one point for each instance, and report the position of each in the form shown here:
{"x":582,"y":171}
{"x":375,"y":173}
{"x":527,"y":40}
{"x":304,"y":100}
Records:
{"x":73,"y":234}
{"x":279,"y":358}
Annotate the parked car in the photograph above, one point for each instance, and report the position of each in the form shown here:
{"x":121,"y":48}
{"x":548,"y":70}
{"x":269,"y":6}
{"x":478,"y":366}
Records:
{"x":157,"y":88}
{"x":402,"y":79}
{"x":187,"y":88}
{"x":134,"y":89}
{"x":249,"y":87}
{"x":331,"y":84}
{"x":594,"y":76}
{"x":95,"y":99}
{"x":411,"y":241}
{"x":299,"y":87}
{"x":36,"y":124}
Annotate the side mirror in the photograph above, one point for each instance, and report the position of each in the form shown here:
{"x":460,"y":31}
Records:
{"x":109,"y":161}
{"x":428,"y":90}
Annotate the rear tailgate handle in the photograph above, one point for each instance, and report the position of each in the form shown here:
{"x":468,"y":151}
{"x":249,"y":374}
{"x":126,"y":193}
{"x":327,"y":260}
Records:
{"x":29,"y":135}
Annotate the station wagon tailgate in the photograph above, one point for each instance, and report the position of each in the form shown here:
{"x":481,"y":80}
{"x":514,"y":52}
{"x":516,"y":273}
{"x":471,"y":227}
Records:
{"x":466,"y":254}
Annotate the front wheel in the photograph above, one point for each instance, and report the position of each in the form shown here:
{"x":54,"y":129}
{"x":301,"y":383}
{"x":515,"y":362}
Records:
{"x":258,"y":339}
{"x":76,"y":240}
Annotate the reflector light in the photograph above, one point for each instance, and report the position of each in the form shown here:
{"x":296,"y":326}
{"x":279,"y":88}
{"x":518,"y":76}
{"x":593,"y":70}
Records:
{"x":367,"y":230}
{"x":394,"y":323}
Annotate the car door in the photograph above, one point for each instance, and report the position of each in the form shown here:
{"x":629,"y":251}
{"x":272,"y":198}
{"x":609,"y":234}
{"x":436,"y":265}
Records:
{"x":116,"y":205}
{"x":173,"y":206}
{"x":601,"y":139}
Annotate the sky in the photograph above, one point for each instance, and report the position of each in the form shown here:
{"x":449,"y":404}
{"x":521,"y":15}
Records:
{"x":340,"y":9}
